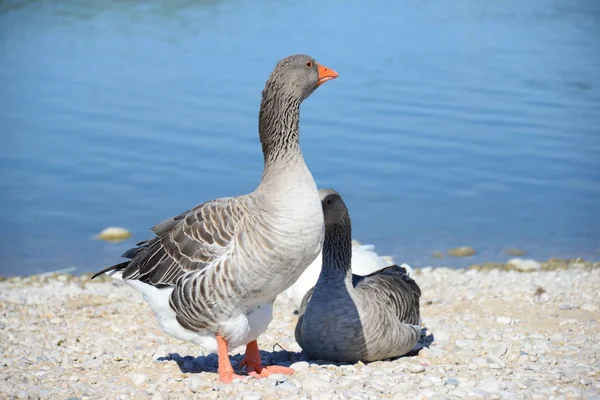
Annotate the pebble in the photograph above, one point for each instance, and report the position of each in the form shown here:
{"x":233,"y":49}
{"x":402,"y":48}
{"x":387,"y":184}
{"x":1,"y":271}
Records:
{"x":313,"y":383}
{"x":425,"y":384}
{"x":114,"y":234}
{"x":524,"y":265}
{"x":452,"y":381}
{"x":463,"y":344}
{"x":491,"y":385}
{"x":300,"y":366}
{"x":22,"y":394}
{"x":252,"y":396}
{"x":503,"y":320}
{"x":499,"y":350}
{"x":278,"y":377}
{"x":416,"y":368}
{"x":492,"y":359}
{"x":137,"y":379}
{"x":198,"y":385}
{"x":589,"y":307}
{"x":464,"y":251}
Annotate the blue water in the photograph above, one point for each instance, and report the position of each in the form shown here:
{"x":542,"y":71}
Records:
{"x":452,"y":123}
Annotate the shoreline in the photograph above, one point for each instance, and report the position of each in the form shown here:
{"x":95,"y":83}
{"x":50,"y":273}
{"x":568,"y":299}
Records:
{"x":497,"y":334}
{"x":518,"y":264}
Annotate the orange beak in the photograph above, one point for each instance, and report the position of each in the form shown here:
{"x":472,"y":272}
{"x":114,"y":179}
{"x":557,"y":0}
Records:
{"x":326,"y":74}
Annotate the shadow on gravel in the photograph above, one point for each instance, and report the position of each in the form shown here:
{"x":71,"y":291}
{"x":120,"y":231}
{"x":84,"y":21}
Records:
{"x":209,"y":363}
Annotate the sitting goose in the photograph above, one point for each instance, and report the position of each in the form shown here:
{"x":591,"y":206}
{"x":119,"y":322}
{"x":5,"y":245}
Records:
{"x":365,"y":261}
{"x":350,"y":318}
{"x":211,"y":274}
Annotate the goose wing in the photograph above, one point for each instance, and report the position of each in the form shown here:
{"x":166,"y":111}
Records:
{"x":187,"y":242}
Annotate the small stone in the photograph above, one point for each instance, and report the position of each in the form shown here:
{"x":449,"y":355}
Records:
{"x":441,"y":336}
{"x":416,"y":368}
{"x":492,"y":359}
{"x":287,"y":385}
{"x":499,"y":350}
{"x":464,"y":251}
{"x":252,"y":396}
{"x":299,"y":366}
{"x":312,"y":383}
{"x":585,"y":381}
{"x":278,"y":377}
{"x":463,"y":344}
{"x":55,"y":321}
{"x":524,"y":265}
{"x":467,"y":385}
{"x":424,"y":384}
{"x":157,"y":396}
{"x":452,"y":381}
{"x":473,"y":367}
{"x":199,"y":385}
{"x":481,"y":393}
{"x":491,"y":385}
{"x":589,"y":307}
{"x":458,"y":392}
{"x":114,"y":234}
{"x":138,"y":379}
{"x":21,"y":394}
{"x":503,"y":320}
{"x":424,"y":353}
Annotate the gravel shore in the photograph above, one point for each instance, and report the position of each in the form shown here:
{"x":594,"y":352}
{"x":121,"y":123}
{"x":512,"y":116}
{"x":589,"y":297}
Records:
{"x":496,"y":335}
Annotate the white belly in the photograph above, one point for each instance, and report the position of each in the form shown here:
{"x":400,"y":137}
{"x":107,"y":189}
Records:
{"x":239,"y":329}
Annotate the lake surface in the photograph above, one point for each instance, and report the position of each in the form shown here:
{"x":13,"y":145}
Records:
{"x":452,"y":122}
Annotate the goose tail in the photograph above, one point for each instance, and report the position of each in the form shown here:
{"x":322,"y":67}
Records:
{"x":114,"y":271}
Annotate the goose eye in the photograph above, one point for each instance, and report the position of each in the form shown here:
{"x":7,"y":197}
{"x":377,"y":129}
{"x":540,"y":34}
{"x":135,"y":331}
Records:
{"x":329,"y":201}
{"x":309,"y":64}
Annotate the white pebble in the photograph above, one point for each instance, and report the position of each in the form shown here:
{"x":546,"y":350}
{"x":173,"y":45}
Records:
{"x":589,"y":307}
{"x":424,"y":384}
{"x":198,"y":385}
{"x":252,"y":396}
{"x":416,"y":368}
{"x":138,"y":379}
{"x":21,"y":394}
{"x":499,"y":350}
{"x":313,"y":383}
{"x":492,"y":359}
{"x":525,"y":265}
{"x":278,"y":377}
{"x":299,"y":366}
{"x":491,"y":385}
{"x":503,"y":320}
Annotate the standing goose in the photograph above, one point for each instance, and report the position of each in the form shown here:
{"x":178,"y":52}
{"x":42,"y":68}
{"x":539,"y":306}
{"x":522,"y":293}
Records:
{"x":350,"y":318}
{"x":211,"y":273}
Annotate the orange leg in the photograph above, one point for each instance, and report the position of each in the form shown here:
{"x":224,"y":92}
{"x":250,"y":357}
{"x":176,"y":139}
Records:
{"x":226,"y":373}
{"x":255,"y":368}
